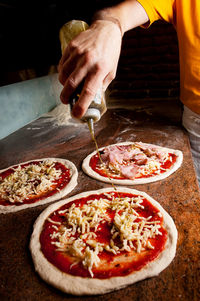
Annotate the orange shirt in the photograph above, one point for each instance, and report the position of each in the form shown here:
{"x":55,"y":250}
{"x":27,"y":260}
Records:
{"x":185,"y":16}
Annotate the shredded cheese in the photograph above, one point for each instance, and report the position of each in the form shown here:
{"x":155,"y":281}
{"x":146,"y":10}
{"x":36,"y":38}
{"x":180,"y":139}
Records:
{"x":129,"y":231}
{"x":28,"y":181}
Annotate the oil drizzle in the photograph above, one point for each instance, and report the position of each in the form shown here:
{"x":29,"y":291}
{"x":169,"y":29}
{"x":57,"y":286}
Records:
{"x":91,"y":129}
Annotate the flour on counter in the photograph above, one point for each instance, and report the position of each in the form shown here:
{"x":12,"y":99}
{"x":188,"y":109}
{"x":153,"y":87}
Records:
{"x":60,"y":116}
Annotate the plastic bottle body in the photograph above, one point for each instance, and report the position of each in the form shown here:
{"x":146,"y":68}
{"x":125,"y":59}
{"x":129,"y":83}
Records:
{"x":98,"y":106}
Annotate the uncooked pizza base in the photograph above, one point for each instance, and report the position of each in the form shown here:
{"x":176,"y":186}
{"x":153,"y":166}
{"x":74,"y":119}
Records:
{"x":91,"y":286}
{"x":89,"y":171}
{"x":58,"y":195}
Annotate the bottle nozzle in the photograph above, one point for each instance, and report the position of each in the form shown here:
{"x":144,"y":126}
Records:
{"x":91,"y":127}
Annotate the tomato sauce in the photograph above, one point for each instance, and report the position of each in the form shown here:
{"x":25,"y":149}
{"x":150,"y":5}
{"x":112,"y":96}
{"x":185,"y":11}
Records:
{"x":64,"y":262}
{"x":95,"y":165}
{"x":58,"y":184}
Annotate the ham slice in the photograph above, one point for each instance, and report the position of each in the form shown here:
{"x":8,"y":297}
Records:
{"x":153,"y":151}
{"x":113,"y":154}
{"x":140,"y":159}
{"x":118,"y":154}
{"x":128,"y":159}
{"x":129,"y":171}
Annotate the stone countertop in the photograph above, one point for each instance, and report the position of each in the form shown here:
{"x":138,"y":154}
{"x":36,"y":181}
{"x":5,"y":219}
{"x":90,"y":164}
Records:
{"x":178,"y":194}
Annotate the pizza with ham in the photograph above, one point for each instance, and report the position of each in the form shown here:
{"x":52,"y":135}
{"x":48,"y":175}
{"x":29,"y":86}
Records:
{"x":35,"y":182}
{"x":129,"y":163}
{"x":103,"y":240}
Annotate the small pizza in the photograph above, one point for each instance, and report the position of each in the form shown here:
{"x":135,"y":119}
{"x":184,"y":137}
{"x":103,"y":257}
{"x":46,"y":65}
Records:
{"x":100,"y":241}
{"x":129,"y":163}
{"x":35,"y":182}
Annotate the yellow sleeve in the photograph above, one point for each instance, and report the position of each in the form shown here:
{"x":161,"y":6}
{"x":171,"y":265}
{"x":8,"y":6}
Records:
{"x":159,"y":10}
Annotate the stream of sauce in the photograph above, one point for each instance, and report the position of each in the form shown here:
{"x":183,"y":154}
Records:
{"x":91,"y":129}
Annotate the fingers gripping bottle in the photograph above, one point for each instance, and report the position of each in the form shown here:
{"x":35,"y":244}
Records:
{"x":98,"y":106}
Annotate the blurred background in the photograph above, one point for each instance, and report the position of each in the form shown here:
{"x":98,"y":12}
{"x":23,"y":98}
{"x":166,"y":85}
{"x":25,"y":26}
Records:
{"x":29,"y":34}
{"x":30,"y":48}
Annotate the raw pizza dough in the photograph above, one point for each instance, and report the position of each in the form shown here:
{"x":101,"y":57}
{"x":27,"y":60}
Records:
{"x":58,"y":195}
{"x":89,"y":171}
{"x":90,"y":286}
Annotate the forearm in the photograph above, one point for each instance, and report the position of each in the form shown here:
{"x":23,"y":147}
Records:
{"x":127,"y":15}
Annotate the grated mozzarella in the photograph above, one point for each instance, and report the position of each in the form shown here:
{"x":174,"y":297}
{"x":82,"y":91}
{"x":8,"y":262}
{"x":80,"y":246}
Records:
{"x":28,"y":181}
{"x":130,"y":232}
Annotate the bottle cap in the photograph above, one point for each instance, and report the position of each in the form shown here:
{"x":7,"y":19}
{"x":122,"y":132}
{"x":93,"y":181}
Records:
{"x":92,"y":113}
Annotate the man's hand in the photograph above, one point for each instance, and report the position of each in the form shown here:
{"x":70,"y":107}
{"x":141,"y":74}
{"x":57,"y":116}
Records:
{"x":91,"y":56}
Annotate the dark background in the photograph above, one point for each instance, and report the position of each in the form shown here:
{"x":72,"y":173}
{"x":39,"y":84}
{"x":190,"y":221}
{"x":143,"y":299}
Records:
{"x":29,"y":31}
{"x":30,"y":47}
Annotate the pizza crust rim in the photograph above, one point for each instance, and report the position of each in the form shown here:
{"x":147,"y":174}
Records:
{"x":90,"y":172}
{"x":88,"y":286}
{"x":58,"y":195}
